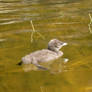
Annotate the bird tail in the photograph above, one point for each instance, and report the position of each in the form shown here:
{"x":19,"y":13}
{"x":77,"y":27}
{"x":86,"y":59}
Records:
{"x":20,"y":63}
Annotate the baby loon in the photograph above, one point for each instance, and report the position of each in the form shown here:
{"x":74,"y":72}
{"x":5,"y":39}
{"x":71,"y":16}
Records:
{"x":44,"y":55}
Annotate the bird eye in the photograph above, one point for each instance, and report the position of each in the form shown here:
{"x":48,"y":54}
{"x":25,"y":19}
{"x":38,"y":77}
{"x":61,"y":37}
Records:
{"x":61,"y":43}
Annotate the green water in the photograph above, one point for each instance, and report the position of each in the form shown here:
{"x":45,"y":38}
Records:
{"x":66,"y":20}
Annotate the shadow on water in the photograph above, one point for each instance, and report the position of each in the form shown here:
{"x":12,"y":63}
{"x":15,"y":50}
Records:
{"x":66,"y":20}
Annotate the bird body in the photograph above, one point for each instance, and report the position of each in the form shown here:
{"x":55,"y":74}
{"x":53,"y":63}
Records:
{"x":45,"y":55}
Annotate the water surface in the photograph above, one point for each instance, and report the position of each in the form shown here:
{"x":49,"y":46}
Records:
{"x":66,"y":20}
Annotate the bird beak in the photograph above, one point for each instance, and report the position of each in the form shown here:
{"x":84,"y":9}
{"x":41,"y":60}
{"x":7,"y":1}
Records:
{"x":64,"y":44}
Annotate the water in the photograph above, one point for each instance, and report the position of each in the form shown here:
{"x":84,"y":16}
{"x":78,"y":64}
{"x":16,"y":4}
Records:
{"x":66,"y":20}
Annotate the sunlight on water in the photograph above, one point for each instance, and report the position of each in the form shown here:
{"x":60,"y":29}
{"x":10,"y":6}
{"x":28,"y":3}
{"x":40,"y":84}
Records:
{"x":66,"y":20}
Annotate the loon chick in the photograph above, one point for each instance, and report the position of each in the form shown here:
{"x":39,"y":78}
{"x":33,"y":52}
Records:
{"x":45,"y":55}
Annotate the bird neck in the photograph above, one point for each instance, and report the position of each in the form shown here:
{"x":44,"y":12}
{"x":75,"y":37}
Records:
{"x":53,"y":49}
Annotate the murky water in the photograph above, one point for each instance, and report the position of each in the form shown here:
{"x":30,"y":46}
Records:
{"x":66,"y":20}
